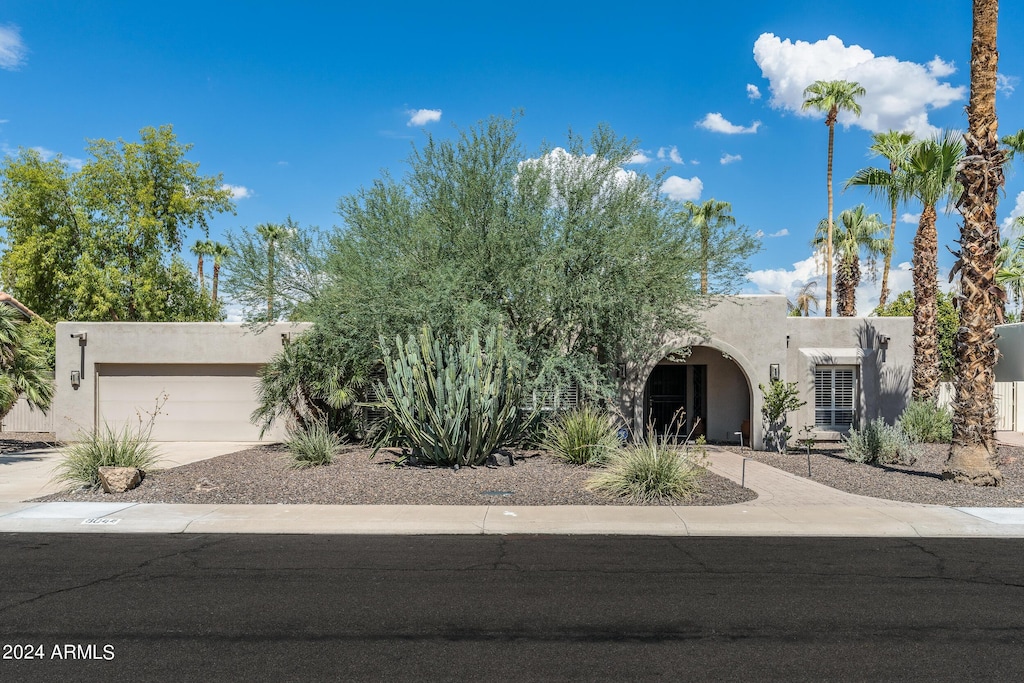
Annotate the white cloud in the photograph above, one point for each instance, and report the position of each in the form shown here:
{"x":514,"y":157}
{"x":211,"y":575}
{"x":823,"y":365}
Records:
{"x":898,"y":94}
{"x":695,"y":162}
{"x":639,"y":157}
{"x":717,"y":123}
{"x":730,"y":159}
{"x":1006,"y":84}
{"x":753,"y":92}
{"x":682,"y":189}
{"x":12,"y":50}
{"x":670,"y":153}
{"x":1018,"y":210}
{"x":74,"y":163}
{"x":911,"y":218}
{"x":561,"y":169}
{"x":421,"y":117}
{"x":780,"y":233}
{"x":789,"y":282}
{"x":237,"y":191}
{"x":282,"y":163}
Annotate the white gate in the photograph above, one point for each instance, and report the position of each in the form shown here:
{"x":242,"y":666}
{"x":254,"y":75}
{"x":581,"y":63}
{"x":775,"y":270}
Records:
{"x":1009,"y":404}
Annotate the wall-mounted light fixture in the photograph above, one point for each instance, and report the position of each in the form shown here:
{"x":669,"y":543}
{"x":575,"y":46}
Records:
{"x":76,"y":379}
{"x":773,"y":371}
{"x":883,"y":340}
{"x":787,"y":341}
{"x":286,"y":338}
{"x":620,"y":371}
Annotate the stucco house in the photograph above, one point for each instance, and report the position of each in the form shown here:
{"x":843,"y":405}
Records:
{"x":848,"y":370}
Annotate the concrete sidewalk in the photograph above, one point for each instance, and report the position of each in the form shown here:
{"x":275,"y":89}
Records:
{"x":787,"y":505}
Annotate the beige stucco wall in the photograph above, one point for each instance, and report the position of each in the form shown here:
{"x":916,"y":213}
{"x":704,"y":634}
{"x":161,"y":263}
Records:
{"x":751,"y":333}
{"x":152,"y":344}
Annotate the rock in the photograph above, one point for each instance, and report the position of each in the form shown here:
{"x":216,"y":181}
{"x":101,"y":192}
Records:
{"x":119,"y":479}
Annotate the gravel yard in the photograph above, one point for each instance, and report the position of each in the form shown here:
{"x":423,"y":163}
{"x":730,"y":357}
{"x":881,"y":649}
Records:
{"x":918,"y":483}
{"x":263,"y":475}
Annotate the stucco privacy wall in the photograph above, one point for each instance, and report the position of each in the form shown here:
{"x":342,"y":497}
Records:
{"x":206,"y":370}
{"x":753,"y":333}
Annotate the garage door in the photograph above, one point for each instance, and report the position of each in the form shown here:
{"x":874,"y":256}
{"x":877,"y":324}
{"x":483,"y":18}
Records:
{"x":198,"y":402}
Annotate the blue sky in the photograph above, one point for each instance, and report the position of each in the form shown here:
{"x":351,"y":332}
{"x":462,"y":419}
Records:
{"x":299,"y":104}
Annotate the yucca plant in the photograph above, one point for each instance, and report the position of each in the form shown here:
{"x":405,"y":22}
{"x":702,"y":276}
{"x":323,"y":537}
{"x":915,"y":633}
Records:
{"x":584,"y":436}
{"x":105,"y":447}
{"x":313,"y":444}
{"x":453,"y":404}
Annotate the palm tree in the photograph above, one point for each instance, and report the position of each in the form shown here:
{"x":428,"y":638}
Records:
{"x":200,"y":249}
{"x":831,"y":97}
{"x":1014,"y":144}
{"x":23,"y":367}
{"x":805,"y":297}
{"x":895,"y":147}
{"x":855,"y":232}
{"x":972,"y":454}
{"x":931,"y":168}
{"x":706,"y":218}
{"x":271,"y":234}
{"x":219,"y":252}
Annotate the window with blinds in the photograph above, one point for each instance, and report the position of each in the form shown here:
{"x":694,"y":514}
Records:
{"x":835,"y":393}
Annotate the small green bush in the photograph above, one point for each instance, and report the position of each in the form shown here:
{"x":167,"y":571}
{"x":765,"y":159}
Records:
{"x":646,"y":472}
{"x":584,"y":436}
{"x":313,"y":445}
{"x":926,"y":422}
{"x":105,"y":447}
{"x":879,"y":443}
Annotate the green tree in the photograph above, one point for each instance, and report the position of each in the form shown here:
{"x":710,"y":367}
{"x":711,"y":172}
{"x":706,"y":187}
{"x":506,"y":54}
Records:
{"x":947,"y":320}
{"x":891,"y":185}
{"x":831,"y":97}
{"x":932,"y":178}
{"x":24,"y":368}
{"x":580,"y":264}
{"x":972,"y":455}
{"x":104,"y":243}
{"x":276,"y":270}
{"x":855,"y":233}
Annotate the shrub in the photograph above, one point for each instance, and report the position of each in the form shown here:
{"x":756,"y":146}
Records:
{"x":454,"y":405}
{"x":926,"y":422}
{"x":312,"y":445}
{"x":105,"y":447}
{"x":880,"y":444}
{"x":779,"y":399}
{"x":584,"y":436}
{"x":649,"y":471}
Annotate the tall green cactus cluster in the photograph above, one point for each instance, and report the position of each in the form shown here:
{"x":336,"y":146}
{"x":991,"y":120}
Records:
{"x":455,"y":404}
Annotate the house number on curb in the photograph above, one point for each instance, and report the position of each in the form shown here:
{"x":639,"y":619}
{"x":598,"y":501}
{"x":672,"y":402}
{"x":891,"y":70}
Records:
{"x":102,"y":520}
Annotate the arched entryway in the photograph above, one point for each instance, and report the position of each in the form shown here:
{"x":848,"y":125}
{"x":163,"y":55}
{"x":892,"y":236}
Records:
{"x":708,"y":390}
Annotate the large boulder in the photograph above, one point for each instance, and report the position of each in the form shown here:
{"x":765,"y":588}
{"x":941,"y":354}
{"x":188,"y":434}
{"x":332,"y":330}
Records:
{"x":119,"y":479}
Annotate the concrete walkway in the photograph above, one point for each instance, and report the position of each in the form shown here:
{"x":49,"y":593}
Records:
{"x":787,"y":505}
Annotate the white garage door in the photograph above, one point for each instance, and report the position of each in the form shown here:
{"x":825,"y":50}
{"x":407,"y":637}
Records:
{"x":197,"y":402}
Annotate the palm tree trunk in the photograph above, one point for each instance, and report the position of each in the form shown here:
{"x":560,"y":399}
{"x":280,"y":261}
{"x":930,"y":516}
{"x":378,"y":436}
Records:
{"x":216,"y":277}
{"x":830,"y":121}
{"x":883,"y":295}
{"x":199,"y":273}
{"x":972,"y":455}
{"x":846,"y":286}
{"x":926,"y":330}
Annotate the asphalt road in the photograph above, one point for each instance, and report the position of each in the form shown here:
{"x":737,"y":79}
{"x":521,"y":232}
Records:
{"x":493,"y":608}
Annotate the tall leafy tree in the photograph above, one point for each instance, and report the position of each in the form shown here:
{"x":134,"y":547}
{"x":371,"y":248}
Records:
{"x":932,"y":179}
{"x":104,"y":243}
{"x":831,"y":98}
{"x":856,"y":233}
{"x":972,"y":455}
{"x":948,"y":321}
{"x":891,"y":185}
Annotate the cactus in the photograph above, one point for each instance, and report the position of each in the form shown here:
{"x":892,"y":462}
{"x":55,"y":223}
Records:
{"x":453,"y":404}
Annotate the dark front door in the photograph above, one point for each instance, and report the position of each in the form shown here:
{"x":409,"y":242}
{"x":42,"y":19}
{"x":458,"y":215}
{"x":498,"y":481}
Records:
{"x":679,"y":393}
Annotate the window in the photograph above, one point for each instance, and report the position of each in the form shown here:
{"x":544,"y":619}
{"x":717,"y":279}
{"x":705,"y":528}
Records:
{"x":835,"y":393}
